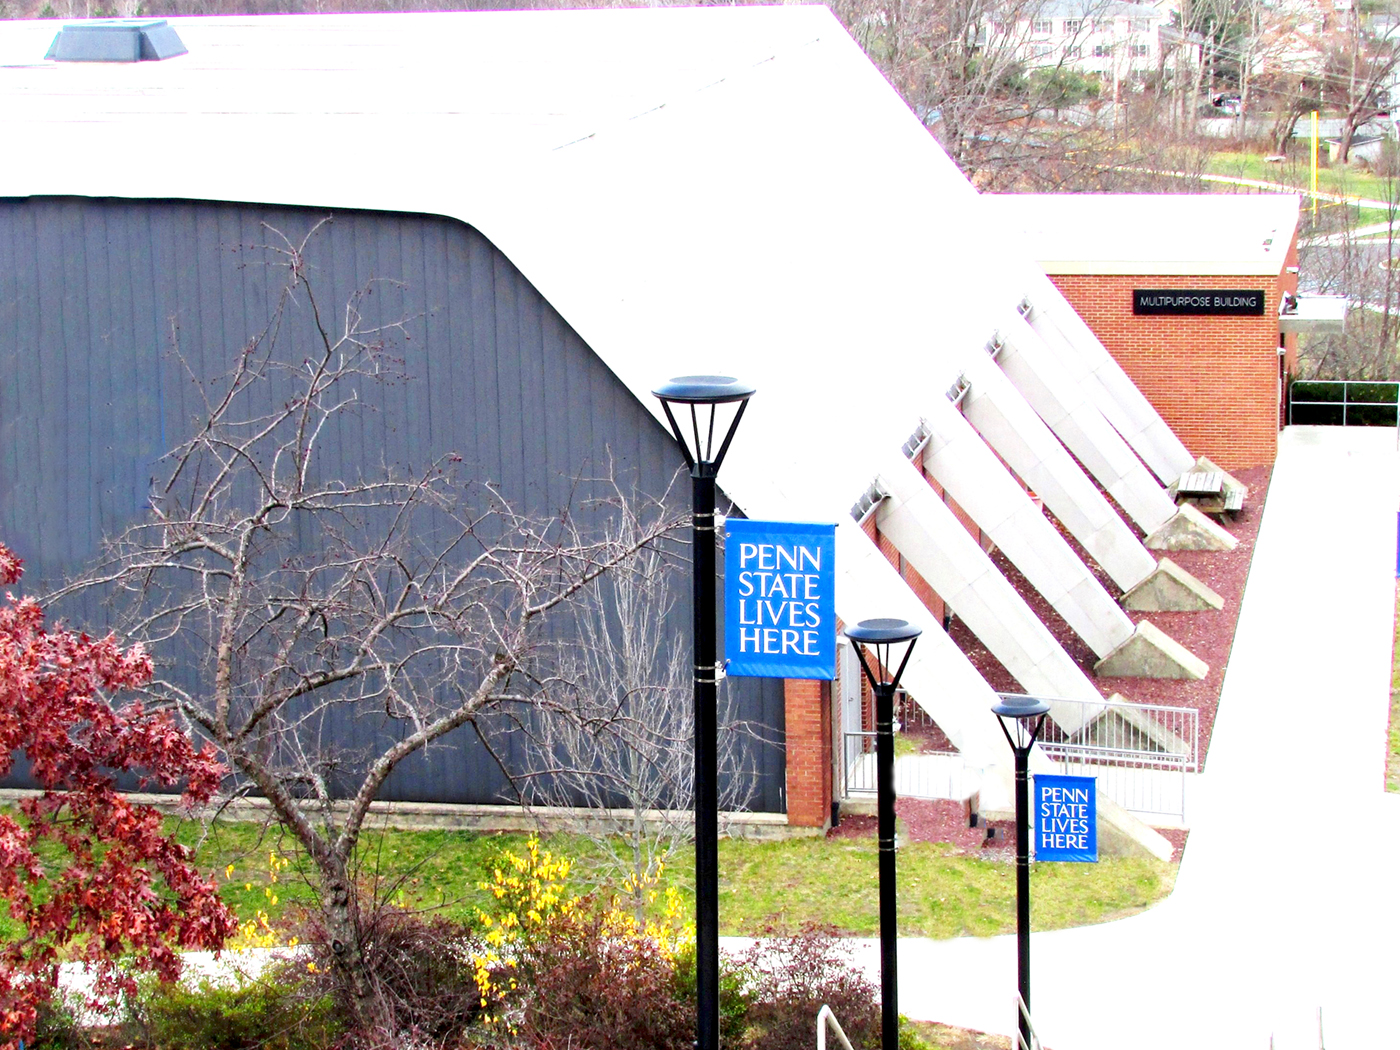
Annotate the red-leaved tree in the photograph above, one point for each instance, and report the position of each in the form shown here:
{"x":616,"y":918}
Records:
{"x":123,"y":890}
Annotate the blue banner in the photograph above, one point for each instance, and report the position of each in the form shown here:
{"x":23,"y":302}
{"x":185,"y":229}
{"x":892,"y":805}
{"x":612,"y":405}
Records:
{"x":1066,"y":818}
{"x":779,"y":599}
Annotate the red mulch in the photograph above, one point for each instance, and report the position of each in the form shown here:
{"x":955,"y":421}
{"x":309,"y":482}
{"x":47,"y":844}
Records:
{"x":1207,"y":634}
{"x":944,"y":820}
{"x":923,"y":820}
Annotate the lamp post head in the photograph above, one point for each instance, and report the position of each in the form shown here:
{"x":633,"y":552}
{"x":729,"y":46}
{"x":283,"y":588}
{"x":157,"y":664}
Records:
{"x":1025,"y":713}
{"x":703,"y":396}
{"x":882,"y":633}
{"x":703,"y":390}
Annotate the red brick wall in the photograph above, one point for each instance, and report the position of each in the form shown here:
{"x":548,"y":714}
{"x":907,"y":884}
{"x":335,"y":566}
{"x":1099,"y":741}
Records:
{"x":1215,"y":380}
{"x":807,"y":706}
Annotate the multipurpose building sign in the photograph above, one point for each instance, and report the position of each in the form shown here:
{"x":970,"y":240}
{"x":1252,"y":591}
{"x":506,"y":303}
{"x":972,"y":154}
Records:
{"x":779,"y":599}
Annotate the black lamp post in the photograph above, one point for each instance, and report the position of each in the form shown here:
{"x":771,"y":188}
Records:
{"x":882,"y":635}
{"x":1020,"y":718}
{"x":704,"y":397}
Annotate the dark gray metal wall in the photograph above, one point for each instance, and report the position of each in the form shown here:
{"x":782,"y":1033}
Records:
{"x":95,"y":294}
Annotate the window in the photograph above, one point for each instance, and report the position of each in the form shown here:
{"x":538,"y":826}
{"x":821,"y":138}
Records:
{"x":1103,"y":25}
{"x":1102,"y":50}
{"x":1141,"y":50}
{"x":1041,"y":27}
{"x":1073,"y":25}
{"x":1142,"y":25}
{"x":1074,"y":52}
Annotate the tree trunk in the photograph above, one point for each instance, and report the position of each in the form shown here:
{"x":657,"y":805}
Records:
{"x":1283,"y":130}
{"x":349,"y":969}
{"x":1242,"y":118}
{"x":1348,"y":133}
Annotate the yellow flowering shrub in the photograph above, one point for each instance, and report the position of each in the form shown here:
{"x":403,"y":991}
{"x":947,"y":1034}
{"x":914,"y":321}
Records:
{"x":672,"y":933}
{"x":258,"y":932}
{"x":528,"y":890}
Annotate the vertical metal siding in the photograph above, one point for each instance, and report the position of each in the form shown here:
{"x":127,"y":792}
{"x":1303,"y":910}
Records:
{"x":95,"y":295}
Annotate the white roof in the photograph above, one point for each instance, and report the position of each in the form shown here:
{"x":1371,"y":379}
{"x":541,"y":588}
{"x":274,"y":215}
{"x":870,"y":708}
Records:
{"x":1187,"y":233}
{"x":695,"y":190}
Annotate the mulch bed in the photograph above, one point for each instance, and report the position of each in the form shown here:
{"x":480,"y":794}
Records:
{"x":1207,"y":634}
{"x":944,"y":820}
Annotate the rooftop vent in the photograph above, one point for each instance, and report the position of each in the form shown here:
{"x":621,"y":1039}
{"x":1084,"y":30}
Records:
{"x":116,"y":40}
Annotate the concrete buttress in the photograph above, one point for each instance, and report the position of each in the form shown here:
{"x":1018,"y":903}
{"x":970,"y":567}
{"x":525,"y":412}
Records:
{"x":1104,"y":380}
{"x":1043,"y":379}
{"x":1007,"y":423}
{"x":969,"y":472}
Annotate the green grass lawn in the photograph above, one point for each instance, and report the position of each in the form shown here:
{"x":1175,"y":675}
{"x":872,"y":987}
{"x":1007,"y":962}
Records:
{"x":834,"y":882}
{"x":942,"y":894}
{"x":1295,"y":172}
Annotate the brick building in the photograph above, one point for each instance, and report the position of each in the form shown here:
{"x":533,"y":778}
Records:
{"x":1215,"y":367}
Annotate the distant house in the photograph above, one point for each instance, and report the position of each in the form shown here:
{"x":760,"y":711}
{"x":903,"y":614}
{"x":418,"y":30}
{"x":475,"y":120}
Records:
{"x":1118,"y":42}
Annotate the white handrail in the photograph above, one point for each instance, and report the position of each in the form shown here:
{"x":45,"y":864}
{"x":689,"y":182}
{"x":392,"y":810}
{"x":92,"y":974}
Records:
{"x":1030,"y":1026}
{"x":826,"y":1017}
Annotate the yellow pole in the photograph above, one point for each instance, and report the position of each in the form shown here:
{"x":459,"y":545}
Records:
{"x":1314,"y":163}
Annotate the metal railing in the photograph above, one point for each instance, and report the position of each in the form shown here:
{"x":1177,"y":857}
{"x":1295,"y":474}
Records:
{"x":927,"y":774}
{"x":826,"y":1018}
{"x":1343,"y":403}
{"x":1030,"y":1027}
{"x":1140,"y":753}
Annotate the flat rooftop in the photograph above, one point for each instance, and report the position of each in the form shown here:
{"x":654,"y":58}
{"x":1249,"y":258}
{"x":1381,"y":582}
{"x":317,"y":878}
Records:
{"x":1167,"y":234}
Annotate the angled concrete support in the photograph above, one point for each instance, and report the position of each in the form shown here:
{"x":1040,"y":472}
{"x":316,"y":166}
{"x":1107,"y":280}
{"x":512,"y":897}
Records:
{"x":1116,"y":396}
{"x":1042,"y":378}
{"x":935,"y":542}
{"x":1171,"y":588}
{"x":1009,"y":424}
{"x":1190,"y":530}
{"x":1151,"y":653}
{"x":969,"y":472}
{"x":938,"y":676}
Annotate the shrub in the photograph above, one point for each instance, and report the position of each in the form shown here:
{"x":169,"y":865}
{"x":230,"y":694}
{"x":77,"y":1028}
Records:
{"x":590,"y":985}
{"x":56,"y":1026}
{"x":735,"y":995}
{"x":271,"y":1012}
{"x":793,"y":975}
{"x":422,"y":971}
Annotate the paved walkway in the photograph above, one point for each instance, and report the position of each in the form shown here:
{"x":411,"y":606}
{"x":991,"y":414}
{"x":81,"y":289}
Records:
{"x":1287,"y":895}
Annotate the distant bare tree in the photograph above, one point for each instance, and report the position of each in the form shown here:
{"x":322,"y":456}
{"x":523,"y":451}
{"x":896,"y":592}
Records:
{"x":1012,"y":112}
{"x":1360,"y":67}
{"x":1366,"y":271}
{"x":624,"y":744}
{"x":415,"y":603}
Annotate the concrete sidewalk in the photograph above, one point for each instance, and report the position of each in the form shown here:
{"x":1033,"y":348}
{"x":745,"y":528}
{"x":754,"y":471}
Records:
{"x":1285,"y":904}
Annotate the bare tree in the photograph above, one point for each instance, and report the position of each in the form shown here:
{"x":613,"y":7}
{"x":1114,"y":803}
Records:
{"x":1364,"y":270}
{"x":1360,"y":67}
{"x":624,"y":745}
{"x":306,"y":602}
{"x":1011,"y":104}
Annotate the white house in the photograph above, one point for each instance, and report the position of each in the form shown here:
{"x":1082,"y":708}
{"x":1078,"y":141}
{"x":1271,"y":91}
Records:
{"x":1119,"y":42}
